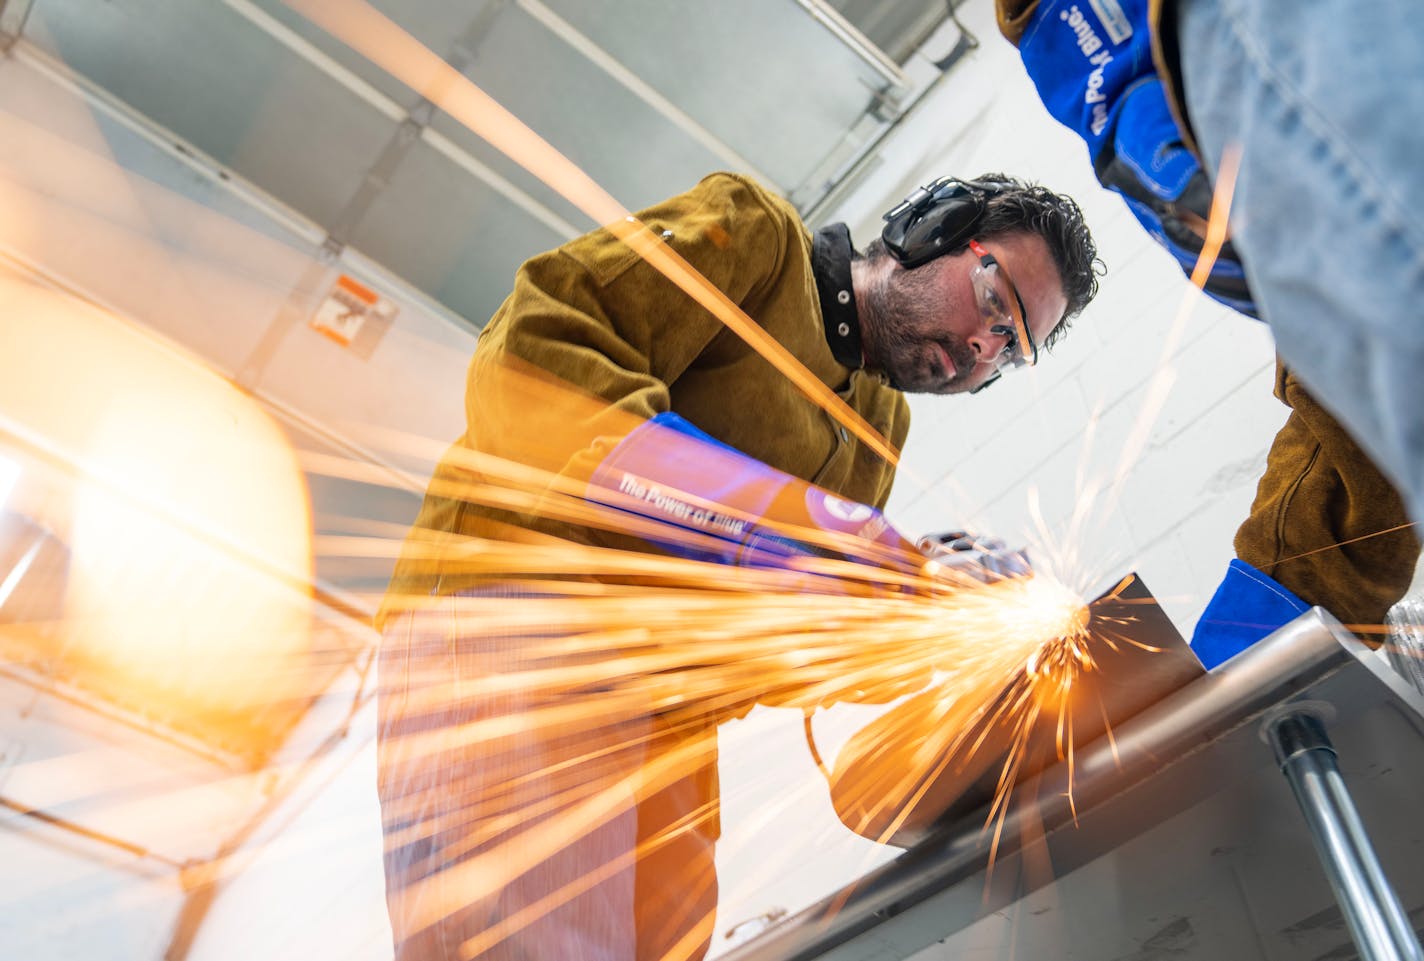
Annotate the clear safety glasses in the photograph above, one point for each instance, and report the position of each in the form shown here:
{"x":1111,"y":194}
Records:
{"x":1005,"y":317}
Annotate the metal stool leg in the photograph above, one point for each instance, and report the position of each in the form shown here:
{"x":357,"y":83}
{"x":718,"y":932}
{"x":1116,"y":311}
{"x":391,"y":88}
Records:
{"x":1378,"y":924}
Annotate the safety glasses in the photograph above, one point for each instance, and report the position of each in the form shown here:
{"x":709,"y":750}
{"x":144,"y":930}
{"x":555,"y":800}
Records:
{"x":1005,"y":317}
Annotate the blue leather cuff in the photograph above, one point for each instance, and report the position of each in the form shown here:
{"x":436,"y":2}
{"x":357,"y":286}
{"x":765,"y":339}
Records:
{"x":743,"y":511}
{"x":1246,"y":607}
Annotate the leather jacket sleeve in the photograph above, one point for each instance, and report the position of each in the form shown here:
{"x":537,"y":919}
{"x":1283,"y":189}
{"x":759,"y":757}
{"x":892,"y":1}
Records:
{"x":1325,"y":523}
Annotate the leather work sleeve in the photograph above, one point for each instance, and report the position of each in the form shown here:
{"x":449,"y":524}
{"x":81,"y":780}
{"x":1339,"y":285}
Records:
{"x":1325,"y":522}
{"x":1014,"y":17}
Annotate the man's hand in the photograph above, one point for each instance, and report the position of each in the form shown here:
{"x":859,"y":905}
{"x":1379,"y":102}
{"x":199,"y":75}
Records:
{"x":960,"y":554}
{"x":1096,"y":76}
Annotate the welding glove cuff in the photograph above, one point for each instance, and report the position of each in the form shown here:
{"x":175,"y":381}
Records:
{"x":1092,"y":65}
{"x":708,"y":501}
{"x":1246,"y":607}
{"x":1166,"y":189}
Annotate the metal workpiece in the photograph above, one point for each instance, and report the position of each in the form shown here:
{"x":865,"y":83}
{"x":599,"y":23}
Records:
{"x":1180,"y":769}
{"x":1288,"y":662}
{"x":1372,"y":911}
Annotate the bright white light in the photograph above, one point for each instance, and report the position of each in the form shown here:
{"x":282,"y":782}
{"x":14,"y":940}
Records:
{"x":187,"y":585}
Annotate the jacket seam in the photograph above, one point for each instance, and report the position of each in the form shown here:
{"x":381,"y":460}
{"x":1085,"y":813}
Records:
{"x":1287,"y":499}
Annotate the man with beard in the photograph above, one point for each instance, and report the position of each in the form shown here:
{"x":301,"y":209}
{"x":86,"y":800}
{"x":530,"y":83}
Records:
{"x":969,"y":280}
{"x":923,"y":329}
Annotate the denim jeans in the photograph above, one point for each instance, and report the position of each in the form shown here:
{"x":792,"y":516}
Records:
{"x":1325,"y":101}
{"x":533,"y":804}
{"x":503,"y":820}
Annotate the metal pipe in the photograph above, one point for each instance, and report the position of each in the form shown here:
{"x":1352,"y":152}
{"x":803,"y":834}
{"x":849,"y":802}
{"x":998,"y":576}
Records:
{"x":74,"y":827}
{"x":1293,"y":658}
{"x":394,"y":111}
{"x":640,"y":88}
{"x":1377,"y":921}
{"x":12,"y":21}
{"x":842,"y":29}
{"x":848,"y":175}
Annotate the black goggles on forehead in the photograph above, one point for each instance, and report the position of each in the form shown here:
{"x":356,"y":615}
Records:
{"x":1005,"y":317}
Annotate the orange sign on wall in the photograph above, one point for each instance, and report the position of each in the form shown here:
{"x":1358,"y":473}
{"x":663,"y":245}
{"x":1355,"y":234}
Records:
{"x":347,"y":308}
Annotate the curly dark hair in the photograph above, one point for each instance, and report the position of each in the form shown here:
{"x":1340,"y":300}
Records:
{"x":1018,"y":206}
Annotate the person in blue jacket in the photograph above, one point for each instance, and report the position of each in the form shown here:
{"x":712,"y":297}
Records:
{"x":1325,"y":246}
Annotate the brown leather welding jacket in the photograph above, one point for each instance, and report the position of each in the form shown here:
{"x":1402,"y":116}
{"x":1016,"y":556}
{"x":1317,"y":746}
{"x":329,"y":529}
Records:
{"x":1325,"y":522}
{"x":592,"y":341}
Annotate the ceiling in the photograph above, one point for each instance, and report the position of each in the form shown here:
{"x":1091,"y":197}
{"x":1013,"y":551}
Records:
{"x":646,"y":96}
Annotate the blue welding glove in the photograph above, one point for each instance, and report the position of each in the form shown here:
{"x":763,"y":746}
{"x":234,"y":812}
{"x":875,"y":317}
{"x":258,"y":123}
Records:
{"x":711,"y":502}
{"x":1092,"y":65}
{"x":1246,"y":607}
